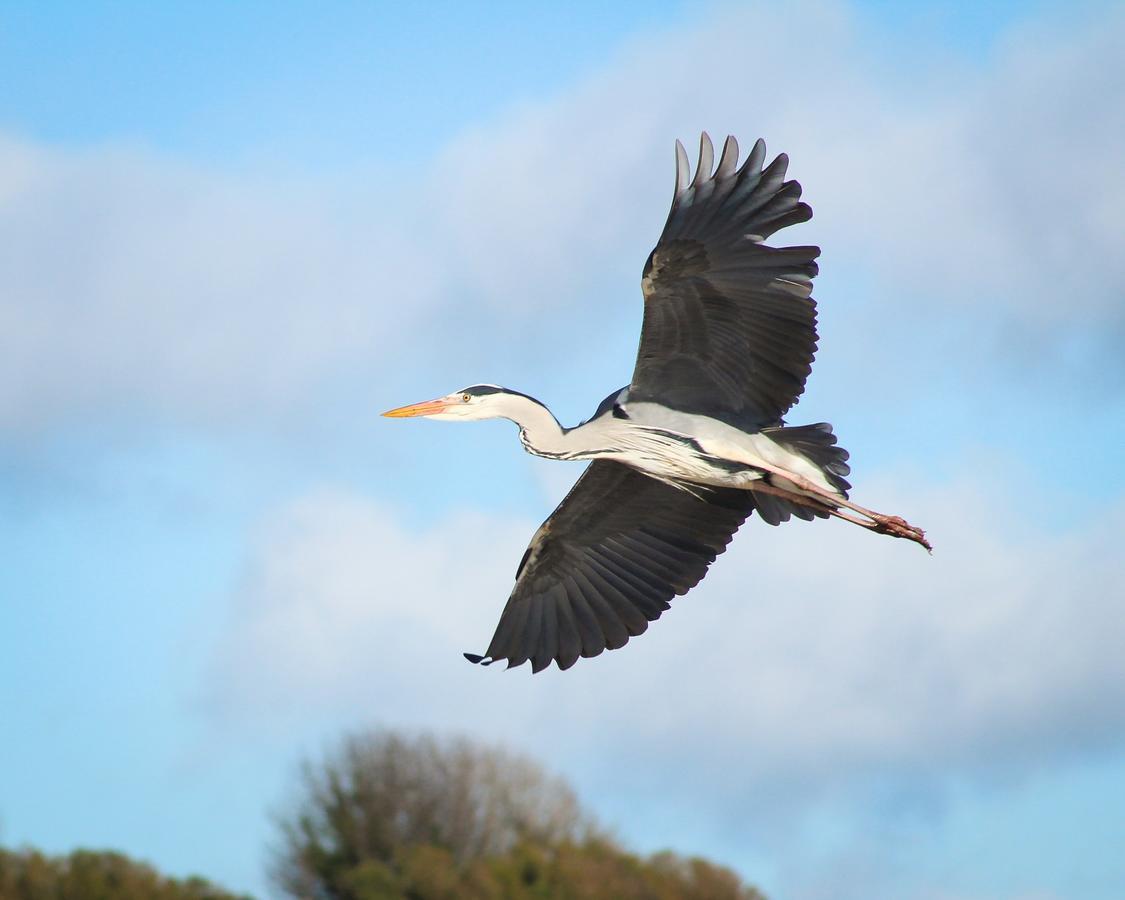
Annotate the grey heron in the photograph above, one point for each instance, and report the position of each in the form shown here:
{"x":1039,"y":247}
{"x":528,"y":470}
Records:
{"x":696,"y":442}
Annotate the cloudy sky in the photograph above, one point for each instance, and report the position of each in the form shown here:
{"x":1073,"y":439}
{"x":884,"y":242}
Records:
{"x":230,"y":237}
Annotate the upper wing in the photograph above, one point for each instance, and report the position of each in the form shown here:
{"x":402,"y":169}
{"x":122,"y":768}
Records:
{"x":607,"y":561}
{"x":729,"y":324}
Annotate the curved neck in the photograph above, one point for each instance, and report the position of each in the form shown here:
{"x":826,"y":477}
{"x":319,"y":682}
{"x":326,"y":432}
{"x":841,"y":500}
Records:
{"x":540,"y":431}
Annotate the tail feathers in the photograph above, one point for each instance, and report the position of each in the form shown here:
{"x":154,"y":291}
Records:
{"x":817,"y":444}
{"x":774,"y":510}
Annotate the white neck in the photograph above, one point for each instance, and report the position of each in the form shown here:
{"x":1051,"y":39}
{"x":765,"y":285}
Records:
{"x":540,"y":431}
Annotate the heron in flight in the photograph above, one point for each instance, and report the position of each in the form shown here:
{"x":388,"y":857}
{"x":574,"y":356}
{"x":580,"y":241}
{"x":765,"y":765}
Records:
{"x":696,"y":442}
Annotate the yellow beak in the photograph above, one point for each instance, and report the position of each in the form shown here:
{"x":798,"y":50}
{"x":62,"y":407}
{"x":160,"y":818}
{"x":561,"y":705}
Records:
{"x":428,"y":408}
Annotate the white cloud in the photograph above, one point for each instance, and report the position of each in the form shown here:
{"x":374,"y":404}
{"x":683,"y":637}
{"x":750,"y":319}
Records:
{"x":134,"y":283}
{"x":969,"y":188}
{"x":332,"y":598}
{"x":811,"y":653}
{"x":982,"y":197}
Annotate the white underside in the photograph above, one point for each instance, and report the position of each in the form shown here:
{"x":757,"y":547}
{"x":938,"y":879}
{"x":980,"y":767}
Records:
{"x":644,"y":436}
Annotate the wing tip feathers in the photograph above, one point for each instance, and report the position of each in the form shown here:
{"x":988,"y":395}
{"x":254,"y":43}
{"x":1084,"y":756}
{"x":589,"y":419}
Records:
{"x":706,"y":170}
{"x":706,"y":160}
{"x":683,"y":170}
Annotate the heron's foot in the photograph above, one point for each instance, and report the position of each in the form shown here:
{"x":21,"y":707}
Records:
{"x":896,"y":526}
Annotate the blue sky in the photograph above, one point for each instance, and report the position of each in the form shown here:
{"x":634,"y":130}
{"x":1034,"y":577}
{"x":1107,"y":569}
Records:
{"x":229,"y":237}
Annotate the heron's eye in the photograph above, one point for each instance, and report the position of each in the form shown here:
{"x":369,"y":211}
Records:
{"x":465,"y":398}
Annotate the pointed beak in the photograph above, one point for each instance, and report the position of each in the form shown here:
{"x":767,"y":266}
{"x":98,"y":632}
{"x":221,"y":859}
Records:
{"x":428,"y":408}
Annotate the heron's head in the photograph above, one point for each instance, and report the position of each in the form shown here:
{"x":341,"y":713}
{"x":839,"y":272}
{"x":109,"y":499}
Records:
{"x":478,"y":401}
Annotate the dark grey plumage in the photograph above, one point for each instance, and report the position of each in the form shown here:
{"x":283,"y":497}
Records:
{"x":607,"y":562}
{"x":729,"y":324}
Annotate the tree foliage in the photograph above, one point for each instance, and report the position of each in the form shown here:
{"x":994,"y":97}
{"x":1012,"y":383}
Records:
{"x":387,"y":816}
{"x":93,"y":875}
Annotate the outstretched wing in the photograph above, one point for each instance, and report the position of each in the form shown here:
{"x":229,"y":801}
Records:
{"x":607,"y":562}
{"x":729,"y":324}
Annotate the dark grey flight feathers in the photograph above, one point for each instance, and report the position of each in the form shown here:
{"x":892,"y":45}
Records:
{"x":608,"y":561}
{"x":729,"y":324}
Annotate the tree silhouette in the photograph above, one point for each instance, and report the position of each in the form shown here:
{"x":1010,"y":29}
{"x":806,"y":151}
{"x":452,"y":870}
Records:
{"x":94,"y":875}
{"x":389,"y":816}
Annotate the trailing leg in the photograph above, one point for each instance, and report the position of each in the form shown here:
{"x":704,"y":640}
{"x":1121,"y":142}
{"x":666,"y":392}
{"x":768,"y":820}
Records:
{"x":815,"y":497}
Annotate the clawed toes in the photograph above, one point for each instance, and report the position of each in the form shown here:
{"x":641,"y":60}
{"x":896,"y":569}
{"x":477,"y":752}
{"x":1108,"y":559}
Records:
{"x":899,"y":527}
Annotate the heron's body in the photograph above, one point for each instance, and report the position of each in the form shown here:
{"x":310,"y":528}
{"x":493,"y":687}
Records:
{"x":680,"y":448}
{"x":696,"y":442}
